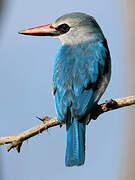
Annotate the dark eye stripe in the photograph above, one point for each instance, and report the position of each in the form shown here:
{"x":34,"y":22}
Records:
{"x":63,"y":28}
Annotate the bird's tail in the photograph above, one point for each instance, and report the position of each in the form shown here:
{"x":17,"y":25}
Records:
{"x":75,"y":150}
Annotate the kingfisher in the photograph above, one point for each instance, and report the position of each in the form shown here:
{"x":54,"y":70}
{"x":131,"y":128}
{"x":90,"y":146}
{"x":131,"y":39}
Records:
{"x":82,"y":71}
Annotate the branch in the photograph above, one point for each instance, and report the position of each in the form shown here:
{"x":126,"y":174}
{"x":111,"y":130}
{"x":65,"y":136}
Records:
{"x":48,"y":122}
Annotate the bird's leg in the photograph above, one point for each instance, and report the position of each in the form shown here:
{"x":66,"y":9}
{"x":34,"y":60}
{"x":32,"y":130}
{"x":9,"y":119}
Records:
{"x":99,"y":109}
{"x":96,"y":111}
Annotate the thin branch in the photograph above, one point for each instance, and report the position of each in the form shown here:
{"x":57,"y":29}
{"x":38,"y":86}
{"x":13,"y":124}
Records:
{"x":48,"y":122}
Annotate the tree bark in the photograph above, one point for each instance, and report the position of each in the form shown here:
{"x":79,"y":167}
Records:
{"x":48,"y":122}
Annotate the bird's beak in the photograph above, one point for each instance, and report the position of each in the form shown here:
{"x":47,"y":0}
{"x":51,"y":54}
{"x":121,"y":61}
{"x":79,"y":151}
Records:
{"x":46,"y":30}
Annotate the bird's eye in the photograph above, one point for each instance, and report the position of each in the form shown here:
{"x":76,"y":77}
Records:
{"x":63,"y":28}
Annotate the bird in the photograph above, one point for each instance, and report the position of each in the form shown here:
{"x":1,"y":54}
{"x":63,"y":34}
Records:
{"x":82,"y":71}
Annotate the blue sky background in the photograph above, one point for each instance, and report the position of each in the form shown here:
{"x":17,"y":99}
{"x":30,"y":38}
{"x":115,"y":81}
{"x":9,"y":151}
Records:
{"x":26,"y":66}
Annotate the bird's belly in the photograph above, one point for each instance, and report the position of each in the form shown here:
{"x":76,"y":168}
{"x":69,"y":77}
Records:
{"x":102,"y":86}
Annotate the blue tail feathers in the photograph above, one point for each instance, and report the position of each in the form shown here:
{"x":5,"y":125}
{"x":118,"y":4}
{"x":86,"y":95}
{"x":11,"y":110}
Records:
{"x":75,"y":150}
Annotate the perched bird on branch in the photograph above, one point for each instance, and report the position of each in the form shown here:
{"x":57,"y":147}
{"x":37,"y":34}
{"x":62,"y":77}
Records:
{"x":81,"y":74}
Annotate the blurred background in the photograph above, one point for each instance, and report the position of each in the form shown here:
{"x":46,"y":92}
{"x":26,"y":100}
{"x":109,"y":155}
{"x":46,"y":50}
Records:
{"x":26,"y":66}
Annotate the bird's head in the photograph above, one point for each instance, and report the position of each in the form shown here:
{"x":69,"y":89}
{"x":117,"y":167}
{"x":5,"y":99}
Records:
{"x":70,"y":28}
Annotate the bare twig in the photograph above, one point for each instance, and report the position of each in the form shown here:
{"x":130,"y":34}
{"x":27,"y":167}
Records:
{"x":48,"y":122}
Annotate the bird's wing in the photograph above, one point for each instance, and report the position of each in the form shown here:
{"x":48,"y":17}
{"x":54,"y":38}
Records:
{"x":77,"y":74}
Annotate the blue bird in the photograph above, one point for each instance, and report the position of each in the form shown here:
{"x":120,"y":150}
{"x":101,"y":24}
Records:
{"x":82,"y":72}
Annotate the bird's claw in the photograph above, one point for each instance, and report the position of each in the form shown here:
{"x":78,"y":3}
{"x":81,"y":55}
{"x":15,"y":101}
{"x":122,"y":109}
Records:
{"x":110,"y":104}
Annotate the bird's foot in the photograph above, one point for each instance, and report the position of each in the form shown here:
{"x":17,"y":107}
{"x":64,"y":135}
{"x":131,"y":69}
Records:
{"x":99,"y":109}
{"x":109,"y":105}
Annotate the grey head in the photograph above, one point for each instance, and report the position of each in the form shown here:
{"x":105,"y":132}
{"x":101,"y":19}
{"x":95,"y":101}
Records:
{"x":73,"y":28}
{"x":77,"y":28}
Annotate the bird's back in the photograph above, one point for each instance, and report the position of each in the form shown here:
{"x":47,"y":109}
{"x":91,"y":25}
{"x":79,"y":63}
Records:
{"x":77,"y":73}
